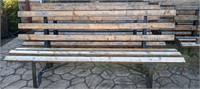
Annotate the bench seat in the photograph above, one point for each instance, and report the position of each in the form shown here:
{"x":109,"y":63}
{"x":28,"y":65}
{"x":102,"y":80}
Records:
{"x":189,"y":42}
{"x":114,"y":55}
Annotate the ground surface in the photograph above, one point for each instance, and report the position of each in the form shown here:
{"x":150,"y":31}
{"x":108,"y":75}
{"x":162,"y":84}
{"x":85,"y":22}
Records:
{"x":99,"y":76}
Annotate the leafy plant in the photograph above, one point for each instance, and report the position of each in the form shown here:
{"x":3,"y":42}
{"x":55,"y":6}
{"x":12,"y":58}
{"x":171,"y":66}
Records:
{"x":10,"y":8}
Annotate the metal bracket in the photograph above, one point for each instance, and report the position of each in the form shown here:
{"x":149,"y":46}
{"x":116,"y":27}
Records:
{"x":144,"y":44}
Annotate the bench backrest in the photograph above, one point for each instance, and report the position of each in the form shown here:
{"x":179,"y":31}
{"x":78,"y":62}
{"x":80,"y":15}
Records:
{"x":96,"y":17}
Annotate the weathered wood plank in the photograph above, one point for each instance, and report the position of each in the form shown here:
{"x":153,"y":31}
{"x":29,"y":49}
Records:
{"x":94,"y":53}
{"x":96,"y":44}
{"x":100,"y":49}
{"x":97,"y":13}
{"x":185,"y":27}
{"x":190,"y":45}
{"x":198,"y":40}
{"x":99,"y":19}
{"x":86,"y":7}
{"x":76,"y":59}
{"x":97,"y":38}
{"x":186,"y":17}
{"x":86,"y":26}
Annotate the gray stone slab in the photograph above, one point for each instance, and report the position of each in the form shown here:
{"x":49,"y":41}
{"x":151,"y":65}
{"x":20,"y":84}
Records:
{"x":93,"y":80}
{"x":9,"y":80}
{"x":61,"y":84}
{"x":106,"y":84}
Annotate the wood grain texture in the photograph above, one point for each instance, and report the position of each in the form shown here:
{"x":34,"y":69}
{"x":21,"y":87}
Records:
{"x":97,"y":13}
{"x":190,"y":45}
{"x":97,"y":38}
{"x":87,"y":26}
{"x":96,"y":44}
{"x":185,"y":27}
{"x":99,"y":19}
{"x":76,"y":59}
{"x":186,"y":17}
{"x":94,"y":53}
{"x":198,"y":40}
{"x":88,"y":6}
{"x":100,"y":49}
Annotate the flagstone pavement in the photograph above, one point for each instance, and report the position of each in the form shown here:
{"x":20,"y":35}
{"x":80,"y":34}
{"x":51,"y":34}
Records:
{"x":14,"y":75}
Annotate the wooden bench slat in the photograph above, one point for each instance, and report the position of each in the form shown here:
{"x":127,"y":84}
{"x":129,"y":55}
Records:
{"x":100,"y":49}
{"x":186,"y":17}
{"x":112,"y":26}
{"x":96,"y":59}
{"x":95,"y":44}
{"x":190,"y":45}
{"x":98,"y":38}
{"x":86,"y":6}
{"x":95,"y":53}
{"x":99,"y":19}
{"x":97,"y":13}
{"x":185,"y":27}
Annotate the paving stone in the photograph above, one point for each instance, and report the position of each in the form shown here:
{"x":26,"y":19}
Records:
{"x":142,"y":85}
{"x":155,"y":75}
{"x":175,"y":69}
{"x":123,"y":80}
{"x":105,"y":84}
{"x":77,"y":80}
{"x":1,"y":78}
{"x":14,"y":65}
{"x":156,"y":85}
{"x":85,"y":65}
{"x":17,"y":85}
{"x":136,"y":78}
{"x":3,"y":64}
{"x":68,"y":76}
{"x":21,"y":71}
{"x":63,"y":69}
{"x":161,"y":67}
{"x":194,"y":84}
{"x":93,"y":80}
{"x":108,"y":74}
{"x":9,"y":80}
{"x":44,"y":83}
{"x":97,"y":70}
{"x":79,"y":86}
{"x":170,"y":85}
{"x":121,"y":71}
{"x":61,"y":84}
{"x":102,"y":65}
{"x":180,"y":81}
{"x":164,"y":73}
{"x":134,"y":72}
{"x":81,"y":72}
{"x":164,"y":80}
{"x":27,"y":75}
{"x":190,"y":74}
{"x":47,"y":74}
{"x":124,"y":86}
{"x":54,"y":77}
{"x":5,"y":71}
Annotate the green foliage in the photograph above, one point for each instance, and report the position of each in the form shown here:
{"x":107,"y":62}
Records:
{"x":10,"y":8}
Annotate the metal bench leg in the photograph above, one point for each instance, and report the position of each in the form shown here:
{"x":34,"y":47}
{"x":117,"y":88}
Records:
{"x":149,"y":75}
{"x":34,"y":75}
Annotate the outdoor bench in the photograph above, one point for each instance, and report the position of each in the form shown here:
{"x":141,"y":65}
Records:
{"x":97,"y":33}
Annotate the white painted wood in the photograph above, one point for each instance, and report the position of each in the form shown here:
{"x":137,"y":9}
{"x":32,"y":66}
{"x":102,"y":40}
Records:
{"x":76,"y":59}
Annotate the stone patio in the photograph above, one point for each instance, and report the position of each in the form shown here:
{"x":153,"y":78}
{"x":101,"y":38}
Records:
{"x":99,"y":75}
